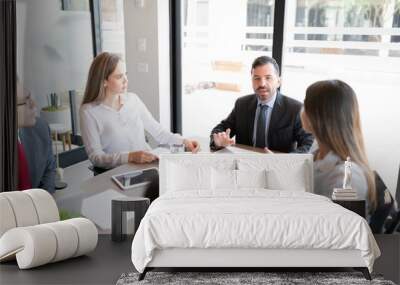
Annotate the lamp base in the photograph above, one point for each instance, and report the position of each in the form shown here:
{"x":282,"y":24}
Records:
{"x":59,"y":183}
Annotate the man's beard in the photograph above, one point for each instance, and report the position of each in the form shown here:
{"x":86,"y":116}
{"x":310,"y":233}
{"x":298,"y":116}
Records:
{"x":269,"y":95}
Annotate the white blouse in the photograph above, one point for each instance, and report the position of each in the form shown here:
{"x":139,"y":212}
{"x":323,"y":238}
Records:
{"x":109,"y":135}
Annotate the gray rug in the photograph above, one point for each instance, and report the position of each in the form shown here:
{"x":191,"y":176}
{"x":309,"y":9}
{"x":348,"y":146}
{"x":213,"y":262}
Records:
{"x":228,"y":278}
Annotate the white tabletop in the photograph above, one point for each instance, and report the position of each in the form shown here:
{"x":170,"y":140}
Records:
{"x":58,"y":128}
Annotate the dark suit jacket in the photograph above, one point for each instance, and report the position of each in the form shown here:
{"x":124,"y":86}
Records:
{"x":285,"y":132}
{"x":39,"y":154}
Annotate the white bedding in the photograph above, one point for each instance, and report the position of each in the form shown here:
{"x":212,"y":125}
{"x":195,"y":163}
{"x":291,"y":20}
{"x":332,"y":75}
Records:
{"x":252,"y":218}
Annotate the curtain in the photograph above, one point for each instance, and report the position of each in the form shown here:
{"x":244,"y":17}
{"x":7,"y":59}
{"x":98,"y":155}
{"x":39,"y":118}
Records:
{"x":8,"y":115}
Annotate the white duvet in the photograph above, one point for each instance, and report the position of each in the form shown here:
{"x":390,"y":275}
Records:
{"x":250,"y":219}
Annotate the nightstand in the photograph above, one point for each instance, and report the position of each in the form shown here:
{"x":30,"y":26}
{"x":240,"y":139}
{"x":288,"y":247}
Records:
{"x":357,"y":206}
{"x":138,"y":205}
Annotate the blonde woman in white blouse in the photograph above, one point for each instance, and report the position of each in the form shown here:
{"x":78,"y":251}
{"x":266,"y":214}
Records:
{"x":113,"y":122}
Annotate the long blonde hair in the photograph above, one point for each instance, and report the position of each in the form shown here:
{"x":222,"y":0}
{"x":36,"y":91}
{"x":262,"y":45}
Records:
{"x":100,"y":69}
{"x":332,"y":109}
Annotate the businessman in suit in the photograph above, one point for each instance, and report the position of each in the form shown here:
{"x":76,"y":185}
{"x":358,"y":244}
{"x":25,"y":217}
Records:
{"x":266,"y":119}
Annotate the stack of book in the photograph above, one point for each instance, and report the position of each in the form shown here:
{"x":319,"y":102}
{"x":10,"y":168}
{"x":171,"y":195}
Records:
{"x":344,"y":194}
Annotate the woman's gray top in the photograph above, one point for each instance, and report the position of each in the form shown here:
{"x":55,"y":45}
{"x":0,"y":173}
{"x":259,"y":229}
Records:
{"x":329,"y":174}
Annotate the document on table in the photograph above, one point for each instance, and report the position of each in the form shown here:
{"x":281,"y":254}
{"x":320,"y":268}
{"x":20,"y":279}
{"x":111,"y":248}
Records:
{"x":233,"y":149}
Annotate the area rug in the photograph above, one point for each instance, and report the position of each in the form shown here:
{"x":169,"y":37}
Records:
{"x":229,"y":278}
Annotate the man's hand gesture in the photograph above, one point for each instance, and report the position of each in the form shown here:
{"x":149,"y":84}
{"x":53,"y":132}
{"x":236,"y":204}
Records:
{"x":223,"y":139}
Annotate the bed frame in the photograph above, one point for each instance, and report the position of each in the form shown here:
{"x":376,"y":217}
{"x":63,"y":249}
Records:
{"x":246,"y":258}
{"x":242,"y":259}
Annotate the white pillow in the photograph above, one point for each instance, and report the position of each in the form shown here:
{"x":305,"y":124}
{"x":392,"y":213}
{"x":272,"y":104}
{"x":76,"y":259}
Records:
{"x":292,"y":178}
{"x":188,"y":177}
{"x":223,"y":179}
{"x":251,"y":178}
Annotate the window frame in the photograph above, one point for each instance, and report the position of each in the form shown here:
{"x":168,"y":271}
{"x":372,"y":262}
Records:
{"x":76,"y":155}
{"x":176,"y":54}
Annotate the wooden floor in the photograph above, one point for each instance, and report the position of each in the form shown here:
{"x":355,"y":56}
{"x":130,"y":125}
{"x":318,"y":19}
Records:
{"x":102,"y":266}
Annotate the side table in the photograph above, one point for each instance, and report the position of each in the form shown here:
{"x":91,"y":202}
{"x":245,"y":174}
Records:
{"x":357,"y":206}
{"x":138,"y":205}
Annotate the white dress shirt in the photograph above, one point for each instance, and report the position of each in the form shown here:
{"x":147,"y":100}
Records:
{"x":109,"y":135}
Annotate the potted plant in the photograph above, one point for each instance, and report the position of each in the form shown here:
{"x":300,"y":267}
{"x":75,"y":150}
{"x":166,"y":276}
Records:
{"x":55,"y":113}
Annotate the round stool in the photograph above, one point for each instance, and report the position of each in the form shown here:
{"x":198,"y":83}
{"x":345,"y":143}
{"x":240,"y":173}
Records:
{"x":62,"y":132}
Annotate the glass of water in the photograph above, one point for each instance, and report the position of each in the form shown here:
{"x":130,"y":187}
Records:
{"x":177,"y":148}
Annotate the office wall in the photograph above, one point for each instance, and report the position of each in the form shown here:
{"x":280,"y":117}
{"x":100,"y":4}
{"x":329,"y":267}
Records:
{"x":148,"y":70}
{"x":54,"y":47}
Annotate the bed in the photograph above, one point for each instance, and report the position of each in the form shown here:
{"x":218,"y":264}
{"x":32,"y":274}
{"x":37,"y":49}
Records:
{"x":247,"y":210}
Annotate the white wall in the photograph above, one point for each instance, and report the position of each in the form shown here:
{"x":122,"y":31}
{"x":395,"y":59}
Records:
{"x":54,"y":47}
{"x":150,"y":22}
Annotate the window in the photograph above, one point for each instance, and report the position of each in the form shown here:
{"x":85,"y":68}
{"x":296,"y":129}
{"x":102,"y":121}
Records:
{"x":112,"y":26}
{"x":218,"y":48}
{"x":357,"y":42}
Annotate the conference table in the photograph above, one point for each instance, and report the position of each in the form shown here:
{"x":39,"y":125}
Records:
{"x":104,"y":181}
{"x":97,"y":192}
